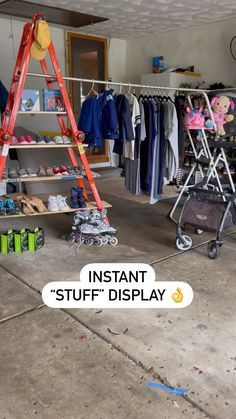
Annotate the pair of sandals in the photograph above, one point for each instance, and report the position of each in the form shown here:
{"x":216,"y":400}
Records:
{"x":30,"y":205}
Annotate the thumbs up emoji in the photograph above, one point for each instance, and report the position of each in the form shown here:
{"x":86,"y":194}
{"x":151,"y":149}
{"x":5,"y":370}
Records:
{"x":177,"y":296}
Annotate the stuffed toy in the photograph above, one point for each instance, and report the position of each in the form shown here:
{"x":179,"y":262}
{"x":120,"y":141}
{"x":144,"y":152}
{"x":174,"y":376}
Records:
{"x":194,"y":118}
{"x":220,"y":106}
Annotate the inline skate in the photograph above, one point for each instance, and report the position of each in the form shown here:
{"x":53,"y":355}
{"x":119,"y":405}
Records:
{"x":91,"y":228}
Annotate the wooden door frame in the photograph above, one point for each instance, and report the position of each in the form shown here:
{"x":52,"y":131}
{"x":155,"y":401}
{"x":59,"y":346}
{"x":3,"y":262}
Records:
{"x":103,"y":158}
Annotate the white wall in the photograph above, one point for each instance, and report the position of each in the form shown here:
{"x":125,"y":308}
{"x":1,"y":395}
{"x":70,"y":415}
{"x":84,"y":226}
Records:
{"x":206,"y":47}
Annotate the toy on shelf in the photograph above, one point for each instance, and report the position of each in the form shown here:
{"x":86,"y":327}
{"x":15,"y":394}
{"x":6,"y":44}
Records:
{"x":194,"y":118}
{"x":220,"y":106}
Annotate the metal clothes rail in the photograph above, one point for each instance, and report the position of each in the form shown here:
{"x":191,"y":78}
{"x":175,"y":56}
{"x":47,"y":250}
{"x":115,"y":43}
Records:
{"x":117,"y":83}
{"x":135,"y":85}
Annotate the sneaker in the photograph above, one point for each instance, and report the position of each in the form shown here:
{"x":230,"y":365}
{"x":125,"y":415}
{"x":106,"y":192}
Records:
{"x":56,"y":171}
{"x":11,"y":207}
{"x":14,"y":140}
{"x":58,"y":139}
{"x":49,"y":171}
{"x":48,"y":139}
{"x":12,"y":173}
{"x":22,"y":140}
{"x":78,"y":172}
{"x":41,"y":171}
{"x":23,"y":173}
{"x":74,"y":197}
{"x":53,"y":204}
{"x":5,"y":173}
{"x":80,"y":196}
{"x":71,"y":171}
{"x":30,"y":140}
{"x":2,"y":207}
{"x":66,"y":140}
{"x":63,"y":170}
{"x":40,"y":140}
{"x":62,"y":204}
{"x":31,"y":172}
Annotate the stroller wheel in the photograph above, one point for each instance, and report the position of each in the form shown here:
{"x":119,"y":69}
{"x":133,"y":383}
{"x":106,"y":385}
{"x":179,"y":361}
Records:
{"x":198,"y":231}
{"x":213,"y":249}
{"x":183,"y":242}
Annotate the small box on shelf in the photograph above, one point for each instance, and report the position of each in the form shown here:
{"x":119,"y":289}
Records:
{"x":52,"y":101}
{"x":30,"y":101}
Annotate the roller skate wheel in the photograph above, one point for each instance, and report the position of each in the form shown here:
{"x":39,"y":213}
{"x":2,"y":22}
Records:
{"x":88,"y":241}
{"x":98,"y":242}
{"x":113,"y":241}
{"x":70,"y":238}
{"x":105,"y":240}
{"x":184,"y":243}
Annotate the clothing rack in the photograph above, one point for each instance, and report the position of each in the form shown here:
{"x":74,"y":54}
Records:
{"x":117,"y":83}
{"x":134,"y":85}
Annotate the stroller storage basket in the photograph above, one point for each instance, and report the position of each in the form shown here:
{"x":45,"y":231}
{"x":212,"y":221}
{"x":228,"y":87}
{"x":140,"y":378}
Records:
{"x":206,"y":216}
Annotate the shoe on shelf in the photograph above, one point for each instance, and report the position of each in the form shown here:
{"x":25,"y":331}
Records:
{"x":49,"y":171}
{"x":48,"y":139}
{"x":71,"y":171}
{"x":58,"y":139}
{"x":5,"y":173}
{"x":64,"y":171}
{"x":38,"y":204}
{"x":40,"y":139}
{"x":11,"y":207}
{"x":14,"y":140}
{"x":31,"y":172}
{"x":74,"y":197}
{"x":22,"y":140}
{"x":23,"y":173}
{"x":12,"y":173}
{"x":56,"y":171}
{"x":62,"y":204}
{"x":30,"y":140}
{"x":53,"y":204}
{"x":81,"y":200}
{"x":78,"y":172}
{"x":66,"y":140}
{"x":2,"y":207}
{"x":41,"y":171}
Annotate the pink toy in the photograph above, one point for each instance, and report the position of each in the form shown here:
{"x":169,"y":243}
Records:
{"x":220,"y":106}
{"x":194,"y":118}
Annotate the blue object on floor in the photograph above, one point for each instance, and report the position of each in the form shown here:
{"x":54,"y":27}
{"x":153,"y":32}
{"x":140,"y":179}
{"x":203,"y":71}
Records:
{"x":179,"y":391}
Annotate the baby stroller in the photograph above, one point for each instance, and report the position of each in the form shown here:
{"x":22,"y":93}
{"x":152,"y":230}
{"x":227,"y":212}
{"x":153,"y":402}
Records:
{"x":206,"y":209}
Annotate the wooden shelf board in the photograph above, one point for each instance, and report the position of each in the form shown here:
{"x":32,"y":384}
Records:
{"x":27,"y":146}
{"x":41,"y":179}
{"x":41,"y":113}
{"x":90,"y":206}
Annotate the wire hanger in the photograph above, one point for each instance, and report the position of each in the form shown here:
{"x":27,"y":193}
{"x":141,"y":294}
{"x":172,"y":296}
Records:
{"x":120,"y":87}
{"x":92,"y":90}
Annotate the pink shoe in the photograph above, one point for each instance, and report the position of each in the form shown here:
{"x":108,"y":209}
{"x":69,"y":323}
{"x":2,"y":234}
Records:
{"x":22,"y":140}
{"x":30,"y":140}
{"x":14,"y":140}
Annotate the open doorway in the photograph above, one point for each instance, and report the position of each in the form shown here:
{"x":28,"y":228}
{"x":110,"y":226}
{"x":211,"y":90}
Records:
{"x":87,"y":58}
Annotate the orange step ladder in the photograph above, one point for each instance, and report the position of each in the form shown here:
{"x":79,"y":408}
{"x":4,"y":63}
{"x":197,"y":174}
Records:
{"x":13,"y":103}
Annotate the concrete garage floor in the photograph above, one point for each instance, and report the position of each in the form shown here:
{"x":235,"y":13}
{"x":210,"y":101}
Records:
{"x":66,"y":364}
